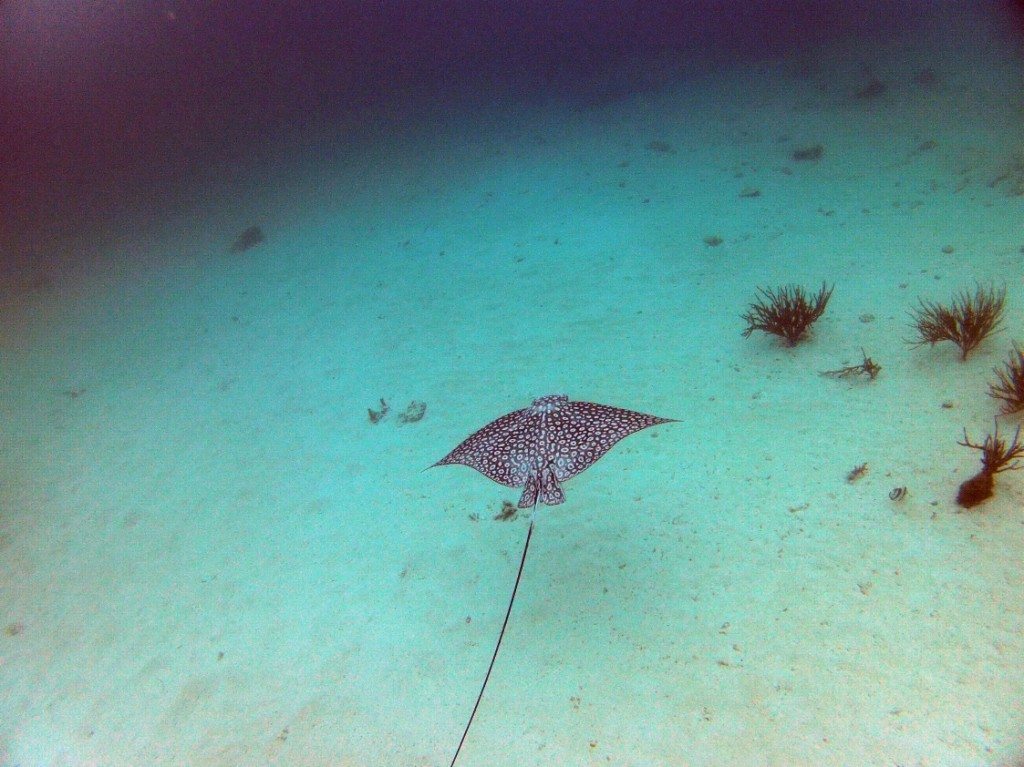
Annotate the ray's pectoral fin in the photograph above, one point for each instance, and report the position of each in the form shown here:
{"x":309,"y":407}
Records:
{"x":542,"y":483}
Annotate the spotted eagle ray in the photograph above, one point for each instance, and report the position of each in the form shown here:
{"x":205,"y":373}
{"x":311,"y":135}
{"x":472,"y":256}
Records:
{"x":537,"y":448}
{"x":541,"y":446}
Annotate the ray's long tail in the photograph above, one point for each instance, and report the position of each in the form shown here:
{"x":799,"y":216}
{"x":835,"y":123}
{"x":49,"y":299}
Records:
{"x":501,"y":635}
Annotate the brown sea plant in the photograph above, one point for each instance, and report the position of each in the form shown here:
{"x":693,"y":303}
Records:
{"x":868,"y":367}
{"x":967,"y":321}
{"x":996,"y":456}
{"x":1009,"y":386}
{"x":787,"y":312}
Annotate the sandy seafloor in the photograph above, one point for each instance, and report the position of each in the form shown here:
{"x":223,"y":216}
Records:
{"x":210,"y":556}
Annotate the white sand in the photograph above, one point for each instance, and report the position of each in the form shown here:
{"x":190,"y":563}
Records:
{"x":210,"y":557}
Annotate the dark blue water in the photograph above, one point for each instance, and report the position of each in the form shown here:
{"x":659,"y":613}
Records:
{"x":117,"y":109}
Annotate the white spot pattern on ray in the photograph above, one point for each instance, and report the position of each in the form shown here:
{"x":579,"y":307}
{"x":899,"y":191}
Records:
{"x":540,"y":446}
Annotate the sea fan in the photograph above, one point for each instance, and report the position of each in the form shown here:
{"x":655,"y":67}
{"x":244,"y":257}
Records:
{"x":787,"y":312}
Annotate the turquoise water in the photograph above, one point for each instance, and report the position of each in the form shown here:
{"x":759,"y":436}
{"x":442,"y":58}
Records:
{"x":212,"y":555}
